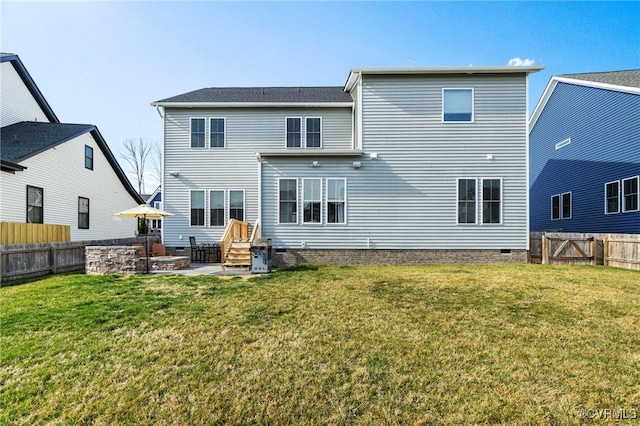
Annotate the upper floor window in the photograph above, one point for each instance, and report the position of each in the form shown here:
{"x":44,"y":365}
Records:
{"x":35,"y":204}
{"x":216,"y":208}
{"x":336,"y":201}
{"x":83,"y":213}
{"x":314,"y":132}
{"x":630,"y":194}
{"x":197,"y":133}
{"x":457,"y":105}
{"x":612,"y":197}
{"x":287,"y":201}
{"x":561,"y":206}
{"x":217,"y":132}
{"x":236,"y":205}
{"x":197,"y":208}
{"x":88,"y":157}
{"x":312,"y":200}
{"x":294,"y":132}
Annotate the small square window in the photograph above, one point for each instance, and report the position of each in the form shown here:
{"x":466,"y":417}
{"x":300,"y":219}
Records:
{"x":457,"y":105}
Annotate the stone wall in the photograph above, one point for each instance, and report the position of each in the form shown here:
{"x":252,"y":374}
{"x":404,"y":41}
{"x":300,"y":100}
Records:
{"x":101,"y":260}
{"x":395,"y":257}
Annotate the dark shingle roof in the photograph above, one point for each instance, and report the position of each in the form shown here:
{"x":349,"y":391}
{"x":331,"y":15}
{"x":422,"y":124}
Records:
{"x":264,"y":95}
{"x":629,"y":78}
{"x":22,"y":140}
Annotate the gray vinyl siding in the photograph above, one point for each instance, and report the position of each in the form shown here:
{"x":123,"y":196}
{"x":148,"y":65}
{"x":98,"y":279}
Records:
{"x":407,"y":198}
{"x":235,"y":167}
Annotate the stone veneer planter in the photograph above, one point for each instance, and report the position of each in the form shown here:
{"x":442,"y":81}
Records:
{"x":101,"y":260}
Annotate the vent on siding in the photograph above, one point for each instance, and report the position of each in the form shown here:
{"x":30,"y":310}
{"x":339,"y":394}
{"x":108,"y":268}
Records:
{"x":564,"y":143}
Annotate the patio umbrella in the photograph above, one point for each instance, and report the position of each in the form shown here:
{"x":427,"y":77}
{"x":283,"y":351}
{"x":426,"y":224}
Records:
{"x":144,"y":211}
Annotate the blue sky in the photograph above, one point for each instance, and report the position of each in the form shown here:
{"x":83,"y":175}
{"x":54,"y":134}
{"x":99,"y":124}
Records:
{"x":103,"y":63}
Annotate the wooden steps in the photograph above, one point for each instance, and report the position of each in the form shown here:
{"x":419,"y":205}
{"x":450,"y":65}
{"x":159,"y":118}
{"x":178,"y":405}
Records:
{"x":239,"y":254}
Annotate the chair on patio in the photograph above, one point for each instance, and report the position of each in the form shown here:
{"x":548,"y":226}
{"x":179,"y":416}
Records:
{"x":198,"y":251}
{"x":158,"y":249}
{"x":140,"y":249}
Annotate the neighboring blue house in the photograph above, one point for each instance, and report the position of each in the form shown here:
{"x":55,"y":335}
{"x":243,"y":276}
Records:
{"x":584,"y":154}
{"x":155,"y":201}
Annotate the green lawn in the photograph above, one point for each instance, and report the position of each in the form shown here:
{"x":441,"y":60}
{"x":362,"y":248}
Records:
{"x":519,"y":344}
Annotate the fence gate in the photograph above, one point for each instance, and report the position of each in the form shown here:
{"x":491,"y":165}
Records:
{"x":566,"y":250}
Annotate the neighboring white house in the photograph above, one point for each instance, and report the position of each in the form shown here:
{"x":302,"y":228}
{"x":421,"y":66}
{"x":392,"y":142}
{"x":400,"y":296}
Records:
{"x":399,"y":165}
{"x":57,"y":173}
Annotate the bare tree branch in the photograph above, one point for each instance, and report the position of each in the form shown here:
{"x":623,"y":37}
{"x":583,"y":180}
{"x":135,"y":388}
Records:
{"x":136,"y":154}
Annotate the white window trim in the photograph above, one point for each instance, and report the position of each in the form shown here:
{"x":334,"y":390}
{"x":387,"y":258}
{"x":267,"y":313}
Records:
{"x":623,"y":210}
{"x":191,"y":132}
{"x":244,"y":205}
{"x":346,"y":201}
{"x":563,"y":143}
{"x":480,"y":196}
{"x":225,"y":213}
{"x":305,"y":132}
{"x":473,"y":106}
{"x":191,"y":191}
{"x":458,"y":202}
{"x":157,"y":205}
{"x":320,"y":201}
{"x":302,"y":133}
{"x":297,"y":202}
{"x":224,"y":139}
{"x":570,"y":205}
{"x":606,"y":203}
{"x":559,"y":207}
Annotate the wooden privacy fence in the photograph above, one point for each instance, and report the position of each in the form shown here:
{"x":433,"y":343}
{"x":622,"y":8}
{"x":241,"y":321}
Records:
{"x":30,"y":233}
{"x":621,"y":250}
{"x":33,"y":260}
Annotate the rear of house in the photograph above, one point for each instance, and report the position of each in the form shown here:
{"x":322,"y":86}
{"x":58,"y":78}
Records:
{"x":585,"y":154}
{"x":399,"y":165}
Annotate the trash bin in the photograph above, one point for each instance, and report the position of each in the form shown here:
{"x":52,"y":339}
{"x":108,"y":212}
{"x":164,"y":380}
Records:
{"x":261,"y":256}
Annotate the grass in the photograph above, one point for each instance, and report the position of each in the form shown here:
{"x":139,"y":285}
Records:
{"x":520,"y":344}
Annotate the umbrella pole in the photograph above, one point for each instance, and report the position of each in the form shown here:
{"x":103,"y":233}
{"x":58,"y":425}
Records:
{"x":146,"y":238}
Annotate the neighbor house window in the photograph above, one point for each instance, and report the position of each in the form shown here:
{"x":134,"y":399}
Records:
{"x":216,"y":208}
{"x":491,"y":200}
{"x":561,"y":206}
{"x":314,"y":132}
{"x":457,"y":105}
{"x":630,"y":194}
{"x":336,"y":201}
{"x":294,"y":132}
{"x":156,"y":205}
{"x":612,"y":197}
{"x":236,"y":205}
{"x":467,"y":206}
{"x":288,"y":201}
{"x":88,"y":157}
{"x":566,"y":205}
{"x":217,"y":132}
{"x":197,"y":133}
{"x":197,"y":208}
{"x":35,"y":205}
{"x":83,"y":213}
{"x":312,"y":200}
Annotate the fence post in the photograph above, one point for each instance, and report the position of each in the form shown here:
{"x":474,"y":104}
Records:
{"x":594,"y":252}
{"x":53,"y":259}
{"x":545,"y":249}
{"x":605,"y":250}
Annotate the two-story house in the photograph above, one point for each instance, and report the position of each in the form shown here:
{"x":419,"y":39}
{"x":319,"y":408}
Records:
{"x":396,"y":166}
{"x":53,"y":172}
{"x":585,"y":154}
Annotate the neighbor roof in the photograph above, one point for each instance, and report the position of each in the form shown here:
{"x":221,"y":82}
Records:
{"x":629,"y":78}
{"x":30,"y":84}
{"x":23,"y":140}
{"x":267,"y":96}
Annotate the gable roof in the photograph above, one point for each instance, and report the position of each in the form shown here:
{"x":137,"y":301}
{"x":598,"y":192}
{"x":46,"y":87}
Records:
{"x":23,"y":140}
{"x":260,"y":96}
{"x":30,"y":84}
{"x":626,"y":81}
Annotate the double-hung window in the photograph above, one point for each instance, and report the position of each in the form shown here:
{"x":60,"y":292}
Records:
{"x":197,"y":132}
{"x":35,"y":204}
{"x":612,"y":197}
{"x":294,"y":132}
{"x":630,"y":194}
{"x":216,"y":208}
{"x":467,"y":201}
{"x":313,"y":132}
{"x":197,"y":208}
{"x":457,"y":105}
{"x":88,"y":157}
{"x":336,"y":201}
{"x":236,"y":205}
{"x":83,"y":213}
{"x":561,"y":206}
{"x":312,"y":200}
{"x":217,"y":129}
{"x":288,"y":200}
{"x":491,"y":201}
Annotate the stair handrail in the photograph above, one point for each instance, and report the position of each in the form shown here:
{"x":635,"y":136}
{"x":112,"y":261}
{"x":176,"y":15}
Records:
{"x":234,"y":228}
{"x":255,"y":232}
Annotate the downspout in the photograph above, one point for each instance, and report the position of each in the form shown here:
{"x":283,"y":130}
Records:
{"x":259,"y":193}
